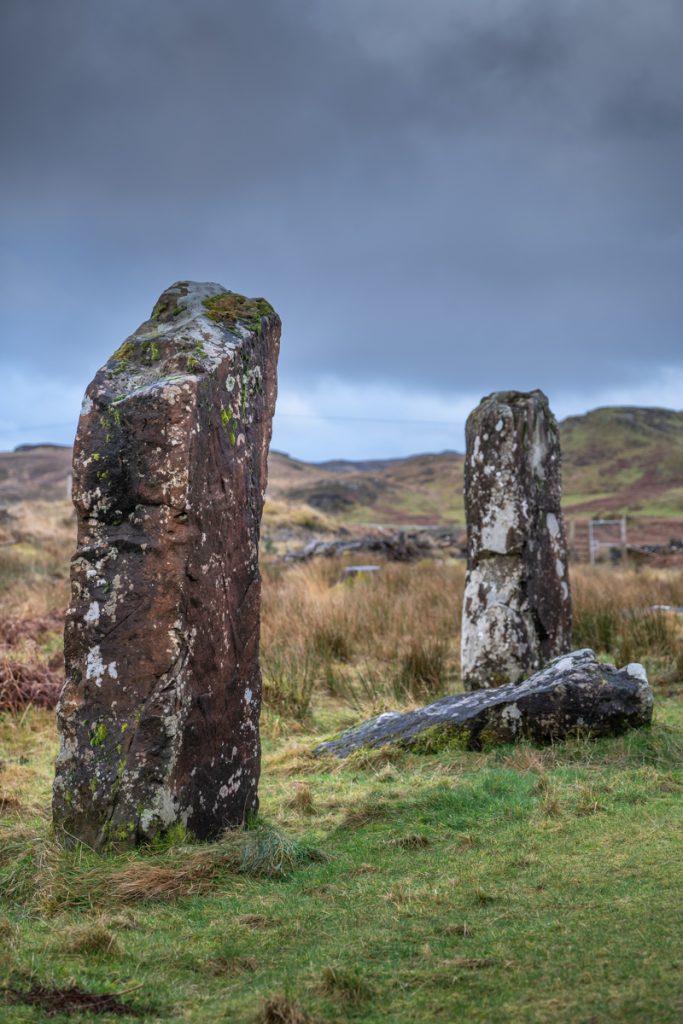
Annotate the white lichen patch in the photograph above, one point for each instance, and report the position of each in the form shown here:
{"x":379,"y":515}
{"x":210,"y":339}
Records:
{"x":637,"y":671}
{"x":93,"y":613}
{"x":496,"y":527}
{"x":94,"y":666}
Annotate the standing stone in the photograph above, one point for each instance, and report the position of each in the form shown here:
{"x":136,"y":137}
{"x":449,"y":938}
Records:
{"x":158,"y":717}
{"x":517,"y":607}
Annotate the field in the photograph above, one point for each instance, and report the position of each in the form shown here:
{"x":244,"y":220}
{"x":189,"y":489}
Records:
{"x":518,"y":884}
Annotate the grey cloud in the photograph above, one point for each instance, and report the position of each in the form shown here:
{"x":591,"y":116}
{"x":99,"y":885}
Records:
{"x":443,"y":195}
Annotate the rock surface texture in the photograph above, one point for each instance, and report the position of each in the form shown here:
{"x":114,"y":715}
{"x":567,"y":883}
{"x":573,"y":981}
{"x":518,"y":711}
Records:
{"x":574,"y":695}
{"x":158,"y":717}
{"x":517,"y":607}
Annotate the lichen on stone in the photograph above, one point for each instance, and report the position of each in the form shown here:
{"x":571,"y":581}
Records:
{"x":230,"y":308}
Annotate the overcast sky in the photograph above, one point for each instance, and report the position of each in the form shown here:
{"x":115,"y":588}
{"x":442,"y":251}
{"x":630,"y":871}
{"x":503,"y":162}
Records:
{"x":441,"y":198}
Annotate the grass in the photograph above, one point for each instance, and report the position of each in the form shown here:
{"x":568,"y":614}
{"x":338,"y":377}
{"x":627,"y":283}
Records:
{"x":371,"y":642}
{"x":521,"y":884}
{"x":524,"y":884}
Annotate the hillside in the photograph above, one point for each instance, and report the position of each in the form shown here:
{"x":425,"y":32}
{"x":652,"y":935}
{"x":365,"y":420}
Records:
{"x":624,"y":460}
{"x":621,"y":460}
{"x":34,"y":473}
{"x":616,"y":461}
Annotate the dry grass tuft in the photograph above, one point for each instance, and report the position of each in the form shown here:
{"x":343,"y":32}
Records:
{"x":346,"y":985}
{"x":41,"y":872}
{"x":525,"y":759}
{"x":469,"y":963}
{"x":365,"y":814}
{"x":228,"y":964}
{"x":257,"y":921}
{"x":551,"y":804}
{"x":143,"y":881}
{"x":282,"y":1010}
{"x":301,"y":799}
{"x":294,"y":759}
{"x":90,"y":939}
{"x":458,"y":929}
{"x":413,"y":841}
{"x":24,"y":683}
{"x":263,"y":852}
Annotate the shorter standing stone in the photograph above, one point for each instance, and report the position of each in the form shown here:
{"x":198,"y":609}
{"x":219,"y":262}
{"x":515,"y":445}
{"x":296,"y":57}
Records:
{"x":517,"y":606}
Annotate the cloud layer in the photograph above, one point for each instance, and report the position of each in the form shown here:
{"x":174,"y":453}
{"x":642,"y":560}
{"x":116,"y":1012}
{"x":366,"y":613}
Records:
{"x":441,"y":199}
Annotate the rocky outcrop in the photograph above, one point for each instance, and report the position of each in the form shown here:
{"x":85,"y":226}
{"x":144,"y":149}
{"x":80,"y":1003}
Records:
{"x":159,"y":714}
{"x":517,"y":605}
{"x":574,"y":695}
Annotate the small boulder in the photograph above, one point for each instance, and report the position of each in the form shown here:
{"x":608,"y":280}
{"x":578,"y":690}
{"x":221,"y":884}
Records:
{"x":574,"y":694}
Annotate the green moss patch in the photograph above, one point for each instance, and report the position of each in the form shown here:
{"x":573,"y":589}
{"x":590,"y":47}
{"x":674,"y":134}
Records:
{"x":229,"y":309}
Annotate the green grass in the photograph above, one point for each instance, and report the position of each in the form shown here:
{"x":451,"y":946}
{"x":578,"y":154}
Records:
{"x":521,"y":885}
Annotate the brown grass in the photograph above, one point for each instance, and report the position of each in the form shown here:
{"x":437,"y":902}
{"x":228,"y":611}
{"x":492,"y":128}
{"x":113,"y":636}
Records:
{"x":281,"y":1010}
{"x":301,"y":799}
{"x":90,"y":939}
{"x":393,"y":639}
{"x":369,"y":643}
{"x":24,"y":683}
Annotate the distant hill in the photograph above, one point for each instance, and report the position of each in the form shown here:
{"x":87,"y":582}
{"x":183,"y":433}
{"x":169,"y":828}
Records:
{"x":624,"y":459}
{"x":34,"y":473}
{"x":621,"y":460}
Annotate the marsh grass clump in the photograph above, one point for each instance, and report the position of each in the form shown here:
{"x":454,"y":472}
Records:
{"x":37,"y":871}
{"x":629,"y":615}
{"x":364,"y":644}
{"x":345,"y":984}
{"x":265,"y":852}
{"x":368,"y":646}
{"x":289,"y":679}
{"x":422,"y":671}
{"x":90,"y":940}
{"x":282,"y":1010}
{"x":301,"y":799}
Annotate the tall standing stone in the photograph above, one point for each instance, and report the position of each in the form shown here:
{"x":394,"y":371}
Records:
{"x":517,"y":606}
{"x":158,"y":717}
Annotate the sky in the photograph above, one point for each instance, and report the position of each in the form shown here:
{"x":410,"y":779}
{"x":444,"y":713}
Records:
{"x":441,"y":199}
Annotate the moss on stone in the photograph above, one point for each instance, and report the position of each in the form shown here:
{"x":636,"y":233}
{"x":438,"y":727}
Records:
{"x":125,"y":351}
{"x":440,"y":738}
{"x":230,"y":308}
{"x":97,"y":734}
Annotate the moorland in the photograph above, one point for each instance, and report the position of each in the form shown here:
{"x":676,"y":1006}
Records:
{"x":511,"y":884}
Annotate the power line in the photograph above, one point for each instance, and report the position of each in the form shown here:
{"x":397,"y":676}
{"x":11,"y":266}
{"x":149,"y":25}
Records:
{"x":280,"y":416}
{"x":362,"y":419}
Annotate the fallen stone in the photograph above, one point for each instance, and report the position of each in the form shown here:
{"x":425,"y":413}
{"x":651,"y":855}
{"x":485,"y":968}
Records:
{"x":574,"y":695}
{"x":158,"y":718}
{"x":517,"y":606}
